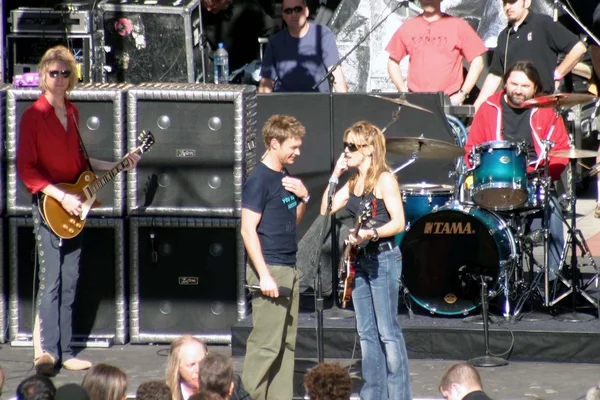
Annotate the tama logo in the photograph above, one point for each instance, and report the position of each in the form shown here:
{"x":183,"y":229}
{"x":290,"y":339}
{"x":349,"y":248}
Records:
{"x":448,"y":228}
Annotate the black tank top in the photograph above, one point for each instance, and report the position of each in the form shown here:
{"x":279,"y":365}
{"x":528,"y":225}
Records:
{"x":379,"y":214}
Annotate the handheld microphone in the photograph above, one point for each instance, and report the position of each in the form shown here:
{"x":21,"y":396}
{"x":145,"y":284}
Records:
{"x":283,"y":291}
{"x":555,"y":11}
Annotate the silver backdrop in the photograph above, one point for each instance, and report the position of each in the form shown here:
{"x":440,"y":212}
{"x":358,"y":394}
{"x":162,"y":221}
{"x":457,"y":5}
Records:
{"x":366,"y":68}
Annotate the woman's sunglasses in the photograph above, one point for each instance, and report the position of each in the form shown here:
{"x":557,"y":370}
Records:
{"x":54,"y":73}
{"x":291,"y":10}
{"x":353,"y":147}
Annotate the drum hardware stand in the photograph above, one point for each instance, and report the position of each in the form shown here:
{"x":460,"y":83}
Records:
{"x":395,"y":117}
{"x":576,"y":238}
{"x":488,"y":360}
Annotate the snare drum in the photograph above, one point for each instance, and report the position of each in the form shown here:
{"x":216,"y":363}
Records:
{"x":445,"y":254}
{"x":500,"y":175}
{"x":420,"y":199}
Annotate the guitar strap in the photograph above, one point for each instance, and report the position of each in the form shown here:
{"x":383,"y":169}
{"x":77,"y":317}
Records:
{"x":85,"y":153}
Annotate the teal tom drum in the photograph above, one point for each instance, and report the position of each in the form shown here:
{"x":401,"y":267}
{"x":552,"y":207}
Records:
{"x":500,"y":175}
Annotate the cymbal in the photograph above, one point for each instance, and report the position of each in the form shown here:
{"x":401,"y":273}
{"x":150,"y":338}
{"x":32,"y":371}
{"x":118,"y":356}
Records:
{"x":574,"y":153}
{"x":428,"y":148}
{"x":402,"y":102}
{"x":562,"y":99}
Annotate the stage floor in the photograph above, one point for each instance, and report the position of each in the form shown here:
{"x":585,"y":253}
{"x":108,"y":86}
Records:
{"x":518,"y":380}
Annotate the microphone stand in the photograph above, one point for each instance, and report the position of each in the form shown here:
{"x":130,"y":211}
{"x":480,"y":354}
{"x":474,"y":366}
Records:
{"x":558,"y":3}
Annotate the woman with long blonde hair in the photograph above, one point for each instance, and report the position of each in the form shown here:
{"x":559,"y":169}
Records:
{"x":378,"y":261}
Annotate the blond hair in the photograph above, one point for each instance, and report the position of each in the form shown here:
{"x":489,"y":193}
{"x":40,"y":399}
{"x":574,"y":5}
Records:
{"x":57,"y":54}
{"x":105,"y":382}
{"x":365,"y":133}
{"x":461,"y":373}
{"x":281,"y":128}
{"x":172,"y":377}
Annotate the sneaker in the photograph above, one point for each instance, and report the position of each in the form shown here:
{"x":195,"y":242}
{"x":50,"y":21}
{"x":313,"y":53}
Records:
{"x":45,"y":364}
{"x":597,"y":212}
{"x":75,"y":364}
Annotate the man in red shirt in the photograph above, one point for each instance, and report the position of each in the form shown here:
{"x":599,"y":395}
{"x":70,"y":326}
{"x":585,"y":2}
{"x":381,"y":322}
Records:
{"x":436,"y":43}
{"x":49,"y":153}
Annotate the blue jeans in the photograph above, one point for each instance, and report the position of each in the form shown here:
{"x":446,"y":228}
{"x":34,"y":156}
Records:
{"x":375,"y":297}
{"x":557,"y":237}
{"x":58,"y":274}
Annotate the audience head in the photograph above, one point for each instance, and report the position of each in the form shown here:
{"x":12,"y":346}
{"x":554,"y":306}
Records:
{"x":328,"y":382}
{"x":71,"y":391}
{"x":593,"y":393}
{"x":60,"y":59}
{"x":216,"y":375}
{"x":105,"y":382}
{"x":185,"y":355}
{"x":36,"y":387}
{"x":459,"y":380}
{"x":205,"y":396}
{"x":153,"y":390}
{"x":522,"y":82}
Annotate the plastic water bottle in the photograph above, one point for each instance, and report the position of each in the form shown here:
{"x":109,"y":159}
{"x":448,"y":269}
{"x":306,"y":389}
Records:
{"x":221,"y":65}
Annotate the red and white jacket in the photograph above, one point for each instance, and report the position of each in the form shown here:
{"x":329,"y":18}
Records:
{"x":488,"y":126}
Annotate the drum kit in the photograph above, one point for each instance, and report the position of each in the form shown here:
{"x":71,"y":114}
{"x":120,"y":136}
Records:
{"x":476,"y":233}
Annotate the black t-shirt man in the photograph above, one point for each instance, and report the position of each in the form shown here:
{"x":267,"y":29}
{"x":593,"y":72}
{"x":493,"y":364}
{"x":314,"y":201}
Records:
{"x":538,"y":39}
{"x":264,"y":193}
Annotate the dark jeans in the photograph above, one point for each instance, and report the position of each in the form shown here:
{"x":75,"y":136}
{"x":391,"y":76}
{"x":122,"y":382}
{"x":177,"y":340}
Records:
{"x":58,"y":271}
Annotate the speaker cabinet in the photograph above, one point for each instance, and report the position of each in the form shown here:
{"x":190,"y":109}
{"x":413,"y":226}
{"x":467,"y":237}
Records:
{"x":102,"y":126}
{"x":100,"y":308}
{"x":3,"y":281}
{"x":186,"y":276}
{"x":3,"y":90}
{"x":205,"y":143}
{"x":159,"y":41}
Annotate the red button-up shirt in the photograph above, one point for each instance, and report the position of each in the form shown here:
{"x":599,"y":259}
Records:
{"x":46,"y":153}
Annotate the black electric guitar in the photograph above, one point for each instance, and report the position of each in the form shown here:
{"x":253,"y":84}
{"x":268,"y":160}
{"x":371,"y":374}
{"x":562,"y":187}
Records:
{"x":67,"y":226}
{"x":347,"y":271}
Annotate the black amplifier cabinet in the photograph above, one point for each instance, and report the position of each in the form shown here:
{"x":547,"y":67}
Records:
{"x":47,"y":20}
{"x":149,"y":41}
{"x":24,"y":51}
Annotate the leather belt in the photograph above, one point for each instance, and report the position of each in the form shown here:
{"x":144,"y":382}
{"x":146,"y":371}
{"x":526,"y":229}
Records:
{"x":377,"y":247}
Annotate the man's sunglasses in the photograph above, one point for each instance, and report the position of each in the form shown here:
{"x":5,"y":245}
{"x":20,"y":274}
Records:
{"x":297,"y":10}
{"x":353,"y":147}
{"x":54,"y":73}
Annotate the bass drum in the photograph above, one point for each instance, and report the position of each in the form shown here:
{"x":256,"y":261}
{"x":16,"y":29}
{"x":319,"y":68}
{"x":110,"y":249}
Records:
{"x":447,"y":252}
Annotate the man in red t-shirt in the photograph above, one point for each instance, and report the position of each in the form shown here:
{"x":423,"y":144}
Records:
{"x":436,"y":43}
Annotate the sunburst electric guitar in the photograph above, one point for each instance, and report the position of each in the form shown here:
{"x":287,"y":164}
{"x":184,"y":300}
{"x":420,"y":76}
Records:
{"x":347,"y":271}
{"x":67,"y":226}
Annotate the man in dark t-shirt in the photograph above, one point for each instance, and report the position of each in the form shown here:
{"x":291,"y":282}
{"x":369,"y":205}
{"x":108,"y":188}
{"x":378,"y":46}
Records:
{"x":273,"y":203}
{"x":534,"y":37}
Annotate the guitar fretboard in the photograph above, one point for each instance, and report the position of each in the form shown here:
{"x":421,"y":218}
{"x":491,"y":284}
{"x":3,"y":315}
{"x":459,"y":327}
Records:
{"x":109,"y":176}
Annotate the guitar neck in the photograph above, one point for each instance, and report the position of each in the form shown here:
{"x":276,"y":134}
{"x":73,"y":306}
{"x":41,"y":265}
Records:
{"x":99,"y":183}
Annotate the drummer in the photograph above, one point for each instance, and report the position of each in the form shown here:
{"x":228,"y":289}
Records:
{"x":501,"y":117}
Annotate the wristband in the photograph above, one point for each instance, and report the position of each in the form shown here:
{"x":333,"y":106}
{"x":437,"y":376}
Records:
{"x":464,"y":93}
{"x":375,"y":235}
{"x":306,"y":199}
{"x":558,"y":76}
{"x":333,"y":179}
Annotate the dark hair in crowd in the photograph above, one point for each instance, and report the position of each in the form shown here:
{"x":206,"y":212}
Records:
{"x":105,"y":382}
{"x":328,"y":382}
{"x":528,"y":69}
{"x":153,"y":390}
{"x":36,"y":387}
{"x":216,"y":374}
